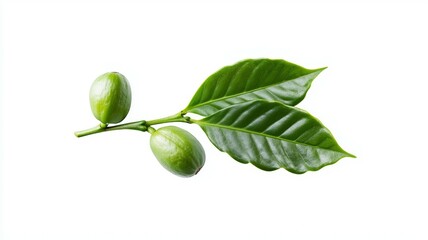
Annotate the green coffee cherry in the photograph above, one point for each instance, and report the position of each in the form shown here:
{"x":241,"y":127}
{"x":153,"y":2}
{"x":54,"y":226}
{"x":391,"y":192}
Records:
{"x":110,"y":97}
{"x":177,"y":150}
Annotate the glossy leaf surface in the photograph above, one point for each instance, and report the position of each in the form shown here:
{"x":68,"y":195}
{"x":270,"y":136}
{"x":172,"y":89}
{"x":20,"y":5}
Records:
{"x":271,"y":135}
{"x":248,"y":80}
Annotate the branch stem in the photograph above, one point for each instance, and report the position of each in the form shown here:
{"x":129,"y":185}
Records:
{"x":138,"y":125}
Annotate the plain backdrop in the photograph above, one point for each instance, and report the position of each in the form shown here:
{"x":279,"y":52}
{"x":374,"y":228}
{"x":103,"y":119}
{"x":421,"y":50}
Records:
{"x":109,"y":186}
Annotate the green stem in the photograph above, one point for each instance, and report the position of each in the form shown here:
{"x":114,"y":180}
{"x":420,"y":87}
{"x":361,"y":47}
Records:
{"x":151,"y":130}
{"x":179,"y":117}
{"x":139,"y":125}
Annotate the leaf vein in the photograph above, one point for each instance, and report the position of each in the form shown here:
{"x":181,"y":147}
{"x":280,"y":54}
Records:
{"x":203,"y":123}
{"x":251,"y":91}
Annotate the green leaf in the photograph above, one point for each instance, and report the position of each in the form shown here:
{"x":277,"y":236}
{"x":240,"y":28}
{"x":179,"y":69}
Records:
{"x":248,"y":80}
{"x":272,"y":135}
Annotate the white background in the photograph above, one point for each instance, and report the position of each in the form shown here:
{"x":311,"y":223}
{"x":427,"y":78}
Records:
{"x":372,"y":97}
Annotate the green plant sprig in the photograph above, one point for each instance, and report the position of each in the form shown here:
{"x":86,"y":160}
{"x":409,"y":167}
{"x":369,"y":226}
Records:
{"x":248,"y":111}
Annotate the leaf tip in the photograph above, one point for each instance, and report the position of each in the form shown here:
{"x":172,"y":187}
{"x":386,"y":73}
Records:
{"x":321,"y":69}
{"x":347,"y":154}
{"x":317,"y":71}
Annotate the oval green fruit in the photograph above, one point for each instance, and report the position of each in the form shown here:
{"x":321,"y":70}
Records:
{"x":110,"y":97}
{"x":177,"y":150}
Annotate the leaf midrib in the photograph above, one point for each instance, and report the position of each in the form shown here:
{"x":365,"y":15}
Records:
{"x":201,"y":123}
{"x":254,"y":90}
